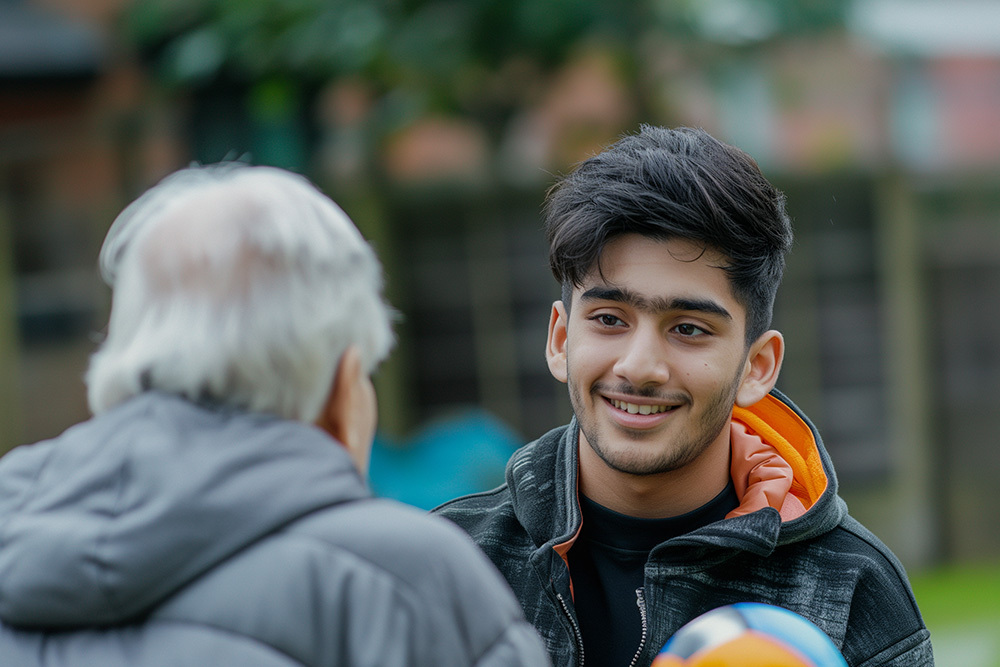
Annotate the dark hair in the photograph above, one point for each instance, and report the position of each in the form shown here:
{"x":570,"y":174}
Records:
{"x":673,"y":183}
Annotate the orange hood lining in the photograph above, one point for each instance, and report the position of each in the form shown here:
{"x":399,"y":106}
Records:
{"x":777,"y":427}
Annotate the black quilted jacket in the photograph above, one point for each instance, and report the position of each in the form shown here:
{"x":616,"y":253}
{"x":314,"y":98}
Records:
{"x":823,"y":565}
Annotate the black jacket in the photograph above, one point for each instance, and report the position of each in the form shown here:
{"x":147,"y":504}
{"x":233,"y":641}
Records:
{"x":802,"y":551}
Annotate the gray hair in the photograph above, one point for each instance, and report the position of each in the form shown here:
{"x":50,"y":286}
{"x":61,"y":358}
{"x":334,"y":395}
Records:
{"x":240,"y":286}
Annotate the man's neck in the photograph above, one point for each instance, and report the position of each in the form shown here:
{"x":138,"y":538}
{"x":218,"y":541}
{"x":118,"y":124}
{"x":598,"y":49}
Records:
{"x":659,"y":495}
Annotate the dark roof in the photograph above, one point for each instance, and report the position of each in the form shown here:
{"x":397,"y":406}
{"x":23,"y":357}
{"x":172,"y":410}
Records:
{"x":38,"y":44}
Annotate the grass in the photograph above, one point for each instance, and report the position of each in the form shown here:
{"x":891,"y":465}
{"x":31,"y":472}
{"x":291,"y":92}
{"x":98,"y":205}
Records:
{"x":961,"y":606}
{"x":960,"y":595}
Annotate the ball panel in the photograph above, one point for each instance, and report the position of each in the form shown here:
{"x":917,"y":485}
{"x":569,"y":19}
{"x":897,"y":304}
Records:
{"x":794,"y":630}
{"x":750,"y":634}
{"x":710,"y":629}
{"x":750,"y":650}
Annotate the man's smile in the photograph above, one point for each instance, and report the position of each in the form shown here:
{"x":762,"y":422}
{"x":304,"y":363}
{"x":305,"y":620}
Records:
{"x":641,"y":409}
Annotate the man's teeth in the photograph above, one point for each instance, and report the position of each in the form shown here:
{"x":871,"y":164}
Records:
{"x":634,"y":409}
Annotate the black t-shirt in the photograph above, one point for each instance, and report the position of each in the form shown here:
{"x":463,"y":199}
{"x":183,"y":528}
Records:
{"x":606,"y":563}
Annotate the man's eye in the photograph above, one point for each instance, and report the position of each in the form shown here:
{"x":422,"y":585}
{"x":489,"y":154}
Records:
{"x":609,"y":320}
{"x":689,"y":330}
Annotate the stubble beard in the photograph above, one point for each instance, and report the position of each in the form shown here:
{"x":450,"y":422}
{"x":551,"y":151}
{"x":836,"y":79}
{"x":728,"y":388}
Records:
{"x":681,"y":453}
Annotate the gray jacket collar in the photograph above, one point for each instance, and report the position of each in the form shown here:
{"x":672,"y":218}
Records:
{"x":108,"y":519}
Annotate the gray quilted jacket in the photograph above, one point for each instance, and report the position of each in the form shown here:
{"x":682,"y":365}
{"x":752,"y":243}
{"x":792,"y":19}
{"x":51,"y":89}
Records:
{"x":822,"y":563}
{"x":164,"y":533}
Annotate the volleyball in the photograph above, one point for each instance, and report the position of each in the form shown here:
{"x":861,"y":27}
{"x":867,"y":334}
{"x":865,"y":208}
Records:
{"x":750,"y":634}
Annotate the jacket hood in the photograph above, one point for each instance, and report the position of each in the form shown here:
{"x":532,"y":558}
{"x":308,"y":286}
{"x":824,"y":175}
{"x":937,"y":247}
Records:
{"x":778,"y":462}
{"x":107,"y":520}
{"x":775,"y":460}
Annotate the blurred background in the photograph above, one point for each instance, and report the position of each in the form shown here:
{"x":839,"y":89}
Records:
{"x":439,"y":124}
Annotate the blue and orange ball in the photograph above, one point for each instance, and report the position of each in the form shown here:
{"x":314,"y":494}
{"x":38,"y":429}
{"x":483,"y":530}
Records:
{"x":750,"y":634}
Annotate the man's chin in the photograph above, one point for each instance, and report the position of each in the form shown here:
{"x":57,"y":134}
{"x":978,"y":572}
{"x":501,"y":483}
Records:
{"x":645,"y":468}
{"x":638,"y":465}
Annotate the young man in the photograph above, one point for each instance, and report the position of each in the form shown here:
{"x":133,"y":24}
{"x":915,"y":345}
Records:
{"x":214,"y":511}
{"x":684,"y":481}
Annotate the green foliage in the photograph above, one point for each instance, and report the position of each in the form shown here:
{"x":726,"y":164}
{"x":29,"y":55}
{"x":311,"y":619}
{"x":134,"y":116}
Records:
{"x":193,"y":41}
{"x":416,"y":55}
{"x":483,"y":58}
{"x":747,"y":22}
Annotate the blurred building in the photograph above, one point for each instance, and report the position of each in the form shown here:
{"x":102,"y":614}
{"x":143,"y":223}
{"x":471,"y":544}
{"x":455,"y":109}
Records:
{"x":58,"y":177}
{"x":884,"y":135}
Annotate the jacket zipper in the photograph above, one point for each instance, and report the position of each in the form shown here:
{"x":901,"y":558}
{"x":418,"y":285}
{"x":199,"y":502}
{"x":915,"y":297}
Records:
{"x":641,"y":601}
{"x":576,"y":629}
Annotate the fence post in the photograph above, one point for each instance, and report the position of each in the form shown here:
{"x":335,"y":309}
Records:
{"x":915,"y":533}
{"x":10,"y":397}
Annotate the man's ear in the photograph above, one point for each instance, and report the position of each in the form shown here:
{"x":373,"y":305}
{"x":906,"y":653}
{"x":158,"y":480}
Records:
{"x":555,"y":345}
{"x":761,"y":370}
{"x":339,"y":416}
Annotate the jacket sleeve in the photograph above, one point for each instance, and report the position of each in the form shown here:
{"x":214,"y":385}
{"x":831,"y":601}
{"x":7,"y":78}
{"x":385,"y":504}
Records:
{"x":519,"y":645}
{"x":458,"y":610}
{"x":487,"y":618}
{"x":914,"y":651}
{"x":885,"y":627}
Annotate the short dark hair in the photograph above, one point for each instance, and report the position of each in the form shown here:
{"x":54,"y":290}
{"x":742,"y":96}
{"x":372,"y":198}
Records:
{"x":667,"y":184}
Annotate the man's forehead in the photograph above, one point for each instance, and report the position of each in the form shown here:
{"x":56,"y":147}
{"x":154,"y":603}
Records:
{"x":622,"y":253}
{"x":681,"y":249}
{"x":661,"y":274}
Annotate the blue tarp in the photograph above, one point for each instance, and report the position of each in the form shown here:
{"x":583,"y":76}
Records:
{"x":449,"y":457}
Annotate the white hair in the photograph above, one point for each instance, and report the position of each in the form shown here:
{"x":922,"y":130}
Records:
{"x":240,"y":286}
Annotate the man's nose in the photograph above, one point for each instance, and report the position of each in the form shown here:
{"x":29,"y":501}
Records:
{"x":644,"y":358}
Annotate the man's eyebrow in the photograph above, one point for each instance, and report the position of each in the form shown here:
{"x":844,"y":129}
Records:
{"x":655,"y":305}
{"x":706,"y":306}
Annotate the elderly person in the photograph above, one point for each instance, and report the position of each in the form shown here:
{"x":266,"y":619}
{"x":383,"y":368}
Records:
{"x":214,"y":510}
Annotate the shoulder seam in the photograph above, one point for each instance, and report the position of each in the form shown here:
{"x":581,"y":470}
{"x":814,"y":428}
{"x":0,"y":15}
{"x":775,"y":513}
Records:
{"x":472,"y":496}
